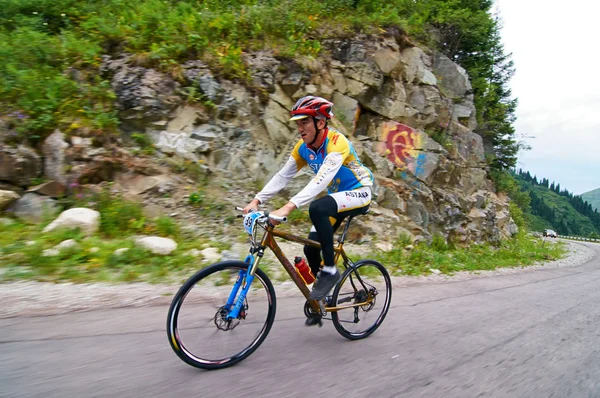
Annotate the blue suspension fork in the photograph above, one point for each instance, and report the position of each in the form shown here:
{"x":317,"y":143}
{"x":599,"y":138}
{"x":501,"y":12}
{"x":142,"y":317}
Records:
{"x":239,"y":303}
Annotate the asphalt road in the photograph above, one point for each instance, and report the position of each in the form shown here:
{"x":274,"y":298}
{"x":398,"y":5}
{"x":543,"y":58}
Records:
{"x":530,"y":334}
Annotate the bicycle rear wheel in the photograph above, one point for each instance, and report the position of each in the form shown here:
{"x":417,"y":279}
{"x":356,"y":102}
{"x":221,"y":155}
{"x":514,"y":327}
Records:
{"x":367,"y":282}
{"x":197,"y":325}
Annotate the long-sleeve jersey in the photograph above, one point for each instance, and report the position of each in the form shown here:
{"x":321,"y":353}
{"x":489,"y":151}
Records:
{"x":335,"y":164}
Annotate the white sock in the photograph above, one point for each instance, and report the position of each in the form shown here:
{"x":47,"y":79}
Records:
{"x":330,"y":269}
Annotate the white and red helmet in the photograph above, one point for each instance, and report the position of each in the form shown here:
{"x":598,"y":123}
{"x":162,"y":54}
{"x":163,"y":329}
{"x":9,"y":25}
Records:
{"x":310,"y":106}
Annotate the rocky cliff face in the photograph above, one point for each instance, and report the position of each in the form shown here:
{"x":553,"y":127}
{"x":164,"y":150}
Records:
{"x":408,"y":111}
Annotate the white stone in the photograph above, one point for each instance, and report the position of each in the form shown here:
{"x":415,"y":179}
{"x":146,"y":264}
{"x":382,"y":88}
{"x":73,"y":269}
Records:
{"x":194,"y":253}
{"x":157,"y":245}
{"x":6,"y":198}
{"x":6,"y":222}
{"x":30,"y":243}
{"x":120,"y":251}
{"x":477,"y":213}
{"x":87,"y":220}
{"x":435,"y":271}
{"x":83,"y":142}
{"x":94,"y":250}
{"x":50,"y":252}
{"x":428,"y":78}
{"x":66,"y":244}
{"x":385,"y":246}
{"x":211,"y":255}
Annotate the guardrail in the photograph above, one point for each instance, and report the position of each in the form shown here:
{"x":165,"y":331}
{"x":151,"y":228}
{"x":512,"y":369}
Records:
{"x":579,"y":238}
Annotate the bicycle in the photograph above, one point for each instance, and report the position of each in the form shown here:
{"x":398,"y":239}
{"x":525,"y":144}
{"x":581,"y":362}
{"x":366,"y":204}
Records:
{"x":213,"y":306}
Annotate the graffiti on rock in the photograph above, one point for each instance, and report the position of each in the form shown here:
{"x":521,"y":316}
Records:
{"x":401,"y":143}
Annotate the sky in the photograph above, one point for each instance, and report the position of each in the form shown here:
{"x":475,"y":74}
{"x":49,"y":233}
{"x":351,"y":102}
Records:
{"x":556,"y":51}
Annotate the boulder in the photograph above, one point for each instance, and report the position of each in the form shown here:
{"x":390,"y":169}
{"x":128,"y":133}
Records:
{"x":143,"y":95}
{"x":4,"y":186}
{"x":211,"y":88}
{"x":387,"y":60}
{"x":392,"y":200}
{"x":263,"y":69}
{"x":184,"y":119}
{"x":281,"y":97}
{"x":54,"y":148}
{"x":347,"y":110}
{"x":476,"y":213}
{"x":416,"y":67}
{"x":276,"y":119}
{"x":7,"y":198}
{"x":19,"y":165}
{"x":347,"y":50}
{"x":417,"y":100}
{"x":473,"y":180}
{"x":376,"y":161}
{"x":454,"y":80}
{"x":137,"y":184}
{"x":33,"y":208}
{"x":366,"y":73}
{"x":157,"y":245}
{"x":470,"y":148}
{"x":211,"y":255}
{"x":187,"y":145}
{"x":418,"y":213}
{"x":54,"y":189}
{"x":87,"y":220}
{"x":339,"y":80}
{"x":389,"y":101}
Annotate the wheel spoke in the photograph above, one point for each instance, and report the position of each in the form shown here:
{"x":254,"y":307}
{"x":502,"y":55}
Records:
{"x":208,"y":339}
{"x":369,"y":282}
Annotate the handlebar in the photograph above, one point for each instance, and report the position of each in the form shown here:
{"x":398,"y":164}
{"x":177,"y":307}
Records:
{"x":274,"y":218}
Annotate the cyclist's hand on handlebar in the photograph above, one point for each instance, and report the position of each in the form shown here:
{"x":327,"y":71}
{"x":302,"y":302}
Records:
{"x":282,"y":212}
{"x":252,"y":206}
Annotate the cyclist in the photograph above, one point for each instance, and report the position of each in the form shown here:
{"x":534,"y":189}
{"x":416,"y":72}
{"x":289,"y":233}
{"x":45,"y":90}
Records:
{"x":333,"y":159}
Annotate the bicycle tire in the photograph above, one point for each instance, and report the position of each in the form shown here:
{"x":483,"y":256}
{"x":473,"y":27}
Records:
{"x":173,"y":334}
{"x":335,"y":315}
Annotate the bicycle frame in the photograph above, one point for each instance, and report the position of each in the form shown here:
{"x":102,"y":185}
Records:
{"x":268,"y":241}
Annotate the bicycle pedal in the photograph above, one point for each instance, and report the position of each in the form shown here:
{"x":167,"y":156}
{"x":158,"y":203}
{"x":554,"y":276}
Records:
{"x":313,"y":322}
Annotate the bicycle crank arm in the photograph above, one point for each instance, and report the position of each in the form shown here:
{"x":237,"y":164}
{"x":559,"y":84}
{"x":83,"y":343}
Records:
{"x":344,"y":307}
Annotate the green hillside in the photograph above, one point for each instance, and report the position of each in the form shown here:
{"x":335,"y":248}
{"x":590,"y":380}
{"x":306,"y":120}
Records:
{"x":552,"y":207}
{"x":52,"y":51}
{"x":593,"y":198}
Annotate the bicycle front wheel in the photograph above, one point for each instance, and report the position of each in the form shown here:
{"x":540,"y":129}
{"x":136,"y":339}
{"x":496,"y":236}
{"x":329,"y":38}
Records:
{"x":198,"y":327}
{"x":367,"y":282}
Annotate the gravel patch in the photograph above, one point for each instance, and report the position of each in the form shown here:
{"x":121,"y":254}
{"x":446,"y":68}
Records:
{"x":28,"y":298}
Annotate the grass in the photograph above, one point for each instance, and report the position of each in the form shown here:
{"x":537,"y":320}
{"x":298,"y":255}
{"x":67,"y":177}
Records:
{"x":520,"y":251}
{"x":22,"y":246}
{"x":94,"y":259}
{"x":42,"y":41}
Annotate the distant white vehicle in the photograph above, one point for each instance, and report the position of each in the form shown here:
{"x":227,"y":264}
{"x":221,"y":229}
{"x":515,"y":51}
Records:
{"x":550,"y":233}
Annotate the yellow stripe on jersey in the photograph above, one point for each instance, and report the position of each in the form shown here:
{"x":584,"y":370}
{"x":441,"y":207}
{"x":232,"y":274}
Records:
{"x":300,"y":162}
{"x":338,"y":143}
